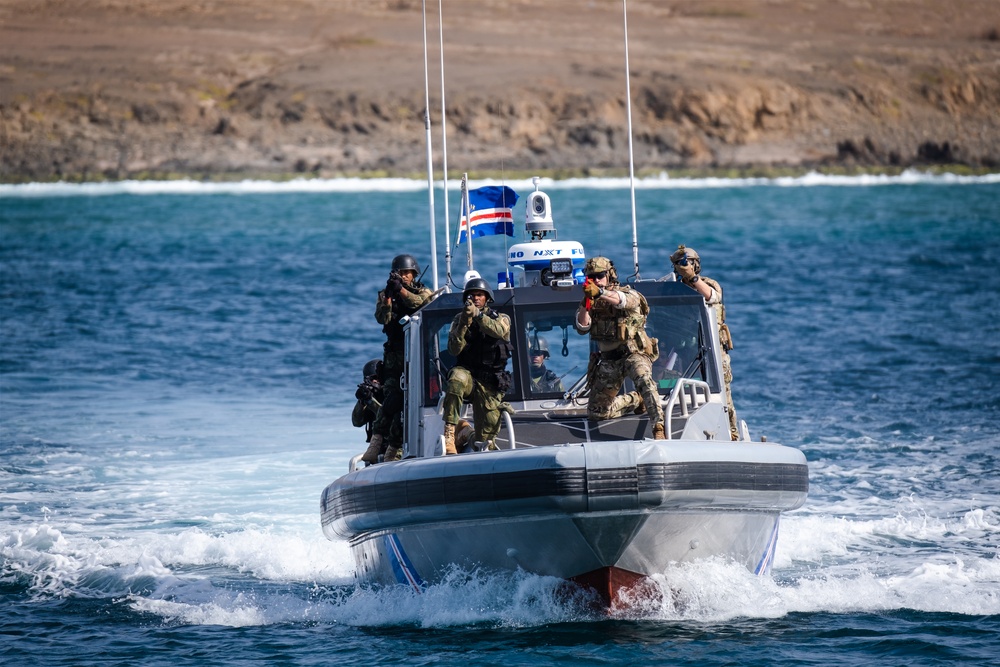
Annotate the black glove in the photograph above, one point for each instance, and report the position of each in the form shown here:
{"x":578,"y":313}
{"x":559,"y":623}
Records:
{"x":393,"y":285}
{"x":364,"y":392}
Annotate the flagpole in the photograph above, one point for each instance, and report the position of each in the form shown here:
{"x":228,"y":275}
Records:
{"x":468,"y":218}
{"x":430,"y":155}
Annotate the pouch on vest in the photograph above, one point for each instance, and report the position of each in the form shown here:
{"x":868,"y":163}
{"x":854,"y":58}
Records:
{"x":725,"y":338}
{"x":652,"y":348}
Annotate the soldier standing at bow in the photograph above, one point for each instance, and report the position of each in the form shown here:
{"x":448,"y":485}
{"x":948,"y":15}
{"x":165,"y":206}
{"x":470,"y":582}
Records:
{"x":480,"y":340}
{"x":615,"y":317}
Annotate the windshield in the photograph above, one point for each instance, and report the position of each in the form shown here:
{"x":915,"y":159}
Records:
{"x":551,"y":358}
{"x":557,"y":356}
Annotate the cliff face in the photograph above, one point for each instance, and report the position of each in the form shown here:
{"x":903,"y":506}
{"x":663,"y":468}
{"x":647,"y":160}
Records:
{"x":127,"y":88}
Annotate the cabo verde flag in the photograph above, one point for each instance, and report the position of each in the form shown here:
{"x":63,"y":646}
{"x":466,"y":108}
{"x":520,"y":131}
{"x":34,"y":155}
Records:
{"x":492,"y":212}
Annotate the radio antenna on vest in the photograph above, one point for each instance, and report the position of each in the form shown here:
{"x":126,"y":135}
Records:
{"x":631,"y":159}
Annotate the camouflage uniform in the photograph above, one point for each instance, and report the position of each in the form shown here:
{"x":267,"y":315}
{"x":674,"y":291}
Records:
{"x":482,"y":348}
{"x":409,"y":300}
{"x":624,"y":351}
{"x":726,"y":341}
{"x":543,"y":381}
{"x":690,"y":276}
{"x":365,"y":413}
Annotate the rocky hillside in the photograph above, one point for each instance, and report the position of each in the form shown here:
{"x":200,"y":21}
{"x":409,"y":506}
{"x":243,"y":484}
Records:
{"x":95,"y":89}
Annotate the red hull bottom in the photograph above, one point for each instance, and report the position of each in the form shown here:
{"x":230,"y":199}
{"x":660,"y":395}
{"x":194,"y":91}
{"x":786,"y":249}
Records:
{"x":609,"y":583}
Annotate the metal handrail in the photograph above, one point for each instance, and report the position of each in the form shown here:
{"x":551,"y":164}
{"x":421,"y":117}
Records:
{"x":510,"y":428}
{"x":685,"y":392}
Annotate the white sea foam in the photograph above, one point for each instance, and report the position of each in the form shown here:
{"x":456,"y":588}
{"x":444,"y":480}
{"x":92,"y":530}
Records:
{"x":662,"y":181}
{"x":253,"y":577}
{"x":227,"y":533}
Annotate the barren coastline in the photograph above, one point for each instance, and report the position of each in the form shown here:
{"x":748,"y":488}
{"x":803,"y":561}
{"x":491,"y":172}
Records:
{"x":114,"y":89}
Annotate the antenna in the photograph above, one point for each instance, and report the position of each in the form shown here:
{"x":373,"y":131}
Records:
{"x":430,"y":155}
{"x":631,"y":159}
{"x":444,"y":153}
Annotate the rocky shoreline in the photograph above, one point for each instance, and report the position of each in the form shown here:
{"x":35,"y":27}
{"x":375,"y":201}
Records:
{"x":238,"y":89}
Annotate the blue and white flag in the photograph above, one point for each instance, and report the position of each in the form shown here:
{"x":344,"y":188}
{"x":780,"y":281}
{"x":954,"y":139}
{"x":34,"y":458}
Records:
{"x":492,"y":212}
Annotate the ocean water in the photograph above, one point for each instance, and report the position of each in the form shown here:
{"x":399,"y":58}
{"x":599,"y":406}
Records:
{"x":178,"y":364}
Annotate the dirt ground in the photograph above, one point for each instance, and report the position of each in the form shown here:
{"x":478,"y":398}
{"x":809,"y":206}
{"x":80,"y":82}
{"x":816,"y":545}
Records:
{"x":125,"y":88}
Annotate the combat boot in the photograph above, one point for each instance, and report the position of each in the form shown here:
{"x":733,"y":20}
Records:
{"x":640,"y":405}
{"x":658,"y":432}
{"x":449,"y":439}
{"x":464,"y":434}
{"x":392,"y":453}
{"x":370,"y":456}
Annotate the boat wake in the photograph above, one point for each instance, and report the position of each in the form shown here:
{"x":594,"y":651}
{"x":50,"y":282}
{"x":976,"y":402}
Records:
{"x":256,"y":577}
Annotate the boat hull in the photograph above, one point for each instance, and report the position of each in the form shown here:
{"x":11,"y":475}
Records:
{"x":604,"y":514}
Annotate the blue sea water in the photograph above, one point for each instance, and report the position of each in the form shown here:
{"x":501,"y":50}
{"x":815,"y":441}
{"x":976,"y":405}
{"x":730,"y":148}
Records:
{"x":178,"y":364}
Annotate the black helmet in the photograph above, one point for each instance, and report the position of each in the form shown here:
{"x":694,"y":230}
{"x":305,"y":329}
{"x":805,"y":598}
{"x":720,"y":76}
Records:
{"x":405,"y":263}
{"x":372,"y":368}
{"x":539,"y":346}
{"x":478,"y":285}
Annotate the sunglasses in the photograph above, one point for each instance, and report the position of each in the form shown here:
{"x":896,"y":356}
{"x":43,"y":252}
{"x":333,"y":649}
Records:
{"x":598,"y":276}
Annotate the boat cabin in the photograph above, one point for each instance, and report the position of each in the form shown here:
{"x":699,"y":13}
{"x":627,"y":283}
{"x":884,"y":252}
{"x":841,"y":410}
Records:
{"x":688,"y":370}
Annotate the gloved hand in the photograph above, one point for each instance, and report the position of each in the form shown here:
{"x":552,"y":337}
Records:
{"x":393,"y":285}
{"x":363,"y":393}
{"x":591,"y":289}
{"x":471,"y":312}
{"x":685,"y":271}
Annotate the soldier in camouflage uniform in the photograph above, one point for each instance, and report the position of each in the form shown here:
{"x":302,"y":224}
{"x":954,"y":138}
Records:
{"x":687,"y":265}
{"x":615,"y":317}
{"x":370,"y":396}
{"x":543,"y":380}
{"x":403,"y":295}
{"x":480,"y":340}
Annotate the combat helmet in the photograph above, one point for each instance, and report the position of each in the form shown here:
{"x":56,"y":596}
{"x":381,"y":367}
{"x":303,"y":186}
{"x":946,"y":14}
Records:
{"x":690,"y":253}
{"x":373,"y":367}
{"x":601,"y":265}
{"x":405,"y":263}
{"x":478,"y":285}
{"x":539,"y":345}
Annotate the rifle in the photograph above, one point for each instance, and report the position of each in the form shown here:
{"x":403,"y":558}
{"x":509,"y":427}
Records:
{"x":394,"y":285}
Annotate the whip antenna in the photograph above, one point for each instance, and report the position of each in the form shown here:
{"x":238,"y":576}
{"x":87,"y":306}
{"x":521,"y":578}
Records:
{"x":430,"y":156}
{"x":631,"y":159}
{"x":444,"y":153}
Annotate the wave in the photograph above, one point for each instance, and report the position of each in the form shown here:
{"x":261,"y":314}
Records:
{"x":265,"y":577}
{"x":662,"y":181}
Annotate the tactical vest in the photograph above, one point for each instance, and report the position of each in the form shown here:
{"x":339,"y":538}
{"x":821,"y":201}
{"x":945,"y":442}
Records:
{"x":392,"y":329}
{"x":609,"y":323}
{"x":725,"y":338}
{"x":544,"y":381}
{"x":482,"y":352}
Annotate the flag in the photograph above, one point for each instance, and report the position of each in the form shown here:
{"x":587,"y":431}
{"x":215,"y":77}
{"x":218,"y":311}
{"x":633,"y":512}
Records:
{"x":492,"y":212}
